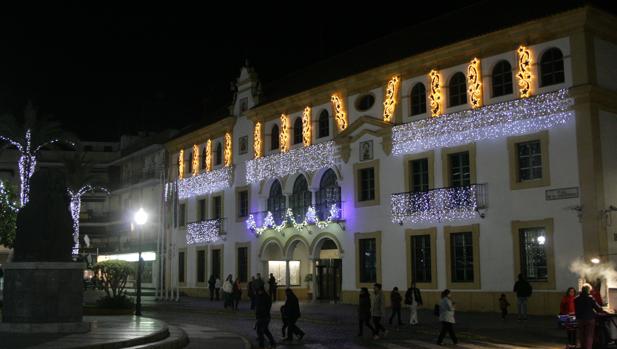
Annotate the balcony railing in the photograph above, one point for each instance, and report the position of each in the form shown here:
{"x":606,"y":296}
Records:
{"x":439,"y":205}
{"x":320,"y":216}
{"x":205,"y":231}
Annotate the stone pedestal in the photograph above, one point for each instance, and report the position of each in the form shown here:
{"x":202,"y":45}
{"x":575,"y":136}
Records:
{"x":43,"y":297}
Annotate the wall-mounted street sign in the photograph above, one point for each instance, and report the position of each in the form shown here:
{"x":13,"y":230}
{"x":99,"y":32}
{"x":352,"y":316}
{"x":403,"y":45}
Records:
{"x":561,"y":193}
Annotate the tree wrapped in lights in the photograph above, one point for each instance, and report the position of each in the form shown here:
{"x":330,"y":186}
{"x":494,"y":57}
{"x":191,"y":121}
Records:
{"x":8,"y":215}
{"x":30,"y":137}
{"x":80,"y":180}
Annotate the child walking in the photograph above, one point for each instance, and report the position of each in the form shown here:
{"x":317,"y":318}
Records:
{"x":503,"y":305}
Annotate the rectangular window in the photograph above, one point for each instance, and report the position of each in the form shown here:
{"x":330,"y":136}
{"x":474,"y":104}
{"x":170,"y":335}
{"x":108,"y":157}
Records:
{"x":279,"y":270}
{"x":461,"y":259}
{"x":201,"y":266}
{"x":216,"y":263}
{"x":460,"y":175}
{"x":367,"y":184}
{"x":421,"y":258}
{"x":243,"y":264}
{"x":201,"y":213}
{"x":243,"y":203}
{"x":217,"y":207}
{"x":182,"y":215}
{"x":419,"y":175}
{"x":533,"y":253}
{"x":368,"y":260}
{"x":181,"y":267}
{"x":529,"y":160}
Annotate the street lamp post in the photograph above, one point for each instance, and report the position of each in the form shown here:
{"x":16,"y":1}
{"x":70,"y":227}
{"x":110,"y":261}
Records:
{"x":140,"y":219}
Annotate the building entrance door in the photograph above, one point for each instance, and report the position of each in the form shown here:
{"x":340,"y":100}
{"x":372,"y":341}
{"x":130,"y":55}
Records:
{"x":329,"y":278}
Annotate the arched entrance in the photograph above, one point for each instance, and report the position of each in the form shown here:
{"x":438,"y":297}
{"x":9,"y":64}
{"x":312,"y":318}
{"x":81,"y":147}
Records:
{"x":328,"y":269}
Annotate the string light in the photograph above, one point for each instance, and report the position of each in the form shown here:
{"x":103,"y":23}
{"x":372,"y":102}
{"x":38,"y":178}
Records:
{"x":208,"y":155}
{"x":181,"y":164}
{"x":75,"y":208}
{"x":195,"y":159}
{"x":204,"y":231}
{"x":310,"y":219}
{"x":435,"y":95}
{"x":205,"y":183}
{"x":521,"y":116}
{"x":339,"y":112}
{"x":389,"y":104}
{"x":437,"y":205}
{"x":315,"y":157}
{"x":257,"y":140}
{"x":306,"y":127}
{"x":524,"y":75}
{"x":284,"y":135}
{"x":474,"y":81}
{"x":227,"y":149}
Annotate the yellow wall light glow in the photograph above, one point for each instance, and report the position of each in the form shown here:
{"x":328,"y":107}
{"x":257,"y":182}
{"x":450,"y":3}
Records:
{"x":435,"y":93}
{"x":524,"y":76}
{"x":338,"y":109}
{"x":257,"y":140}
{"x":228,"y":149}
{"x":284,"y":134}
{"x":181,"y":164}
{"x":474,"y":83}
{"x":389,"y":104}
{"x":306,"y":127}
{"x":195,"y":160}
{"x":209,"y":155}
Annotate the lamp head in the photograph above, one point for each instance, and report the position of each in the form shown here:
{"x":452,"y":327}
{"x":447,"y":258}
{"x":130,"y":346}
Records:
{"x":141,"y":216}
{"x":595,"y":260}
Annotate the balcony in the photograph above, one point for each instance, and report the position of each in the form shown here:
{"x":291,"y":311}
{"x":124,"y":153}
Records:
{"x":205,"y":183}
{"x":439,"y":205}
{"x":320,"y":216}
{"x":205,"y":231}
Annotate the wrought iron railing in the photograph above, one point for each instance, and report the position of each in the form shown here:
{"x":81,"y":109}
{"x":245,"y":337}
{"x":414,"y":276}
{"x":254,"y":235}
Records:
{"x":320,"y":216}
{"x":205,"y":231}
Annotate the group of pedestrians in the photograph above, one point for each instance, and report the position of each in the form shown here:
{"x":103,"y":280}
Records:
{"x":290,"y":313}
{"x":584,"y":307}
{"x":232,"y":291}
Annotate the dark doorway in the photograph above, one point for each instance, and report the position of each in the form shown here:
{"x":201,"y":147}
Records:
{"x":329,"y":272}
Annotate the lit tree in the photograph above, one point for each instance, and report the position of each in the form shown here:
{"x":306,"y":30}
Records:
{"x":80,"y":180}
{"x":8,"y":215}
{"x":30,"y":138}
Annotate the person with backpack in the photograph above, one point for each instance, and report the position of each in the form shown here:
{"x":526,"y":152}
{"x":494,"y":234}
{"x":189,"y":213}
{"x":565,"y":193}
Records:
{"x":446,"y":317}
{"x":523,"y":290}
{"x":395,"y":304}
{"x":413,"y":298}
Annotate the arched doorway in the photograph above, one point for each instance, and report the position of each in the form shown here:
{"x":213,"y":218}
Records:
{"x":271,"y":257}
{"x":328,"y":270}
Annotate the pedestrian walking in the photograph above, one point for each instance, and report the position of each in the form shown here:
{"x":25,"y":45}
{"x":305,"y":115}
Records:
{"x":236,"y":293}
{"x":217,"y":288}
{"x":523,"y":292}
{"x":228,"y":292}
{"x":285,"y":321}
{"x":446,"y":317}
{"x":263,"y":304}
{"x":586,"y":308}
{"x":292,"y":313}
{"x":413,"y":298}
{"x":378,"y":310}
{"x":211,"y":286}
{"x":250,"y":290}
{"x":364,"y":313}
{"x":259,"y":282}
{"x":272,"y":287}
{"x":503,"y":306}
{"x":395,"y":304}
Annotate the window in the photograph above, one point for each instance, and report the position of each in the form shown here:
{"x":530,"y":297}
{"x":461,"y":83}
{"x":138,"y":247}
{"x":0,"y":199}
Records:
{"x":190,"y":163}
{"x":243,"y":203}
{"x":329,"y":194}
{"x":181,"y":266}
{"x":201,"y":266}
{"x":458,"y":89}
{"x":218,"y":154}
{"x":461,"y":259}
{"x":274,"y":138}
{"x":243,"y":264}
{"x":367,"y":184}
{"x":276,"y":202}
{"x":551,"y":67}
{"x":418,"y":99}
{"x":368,"y":260}
{"x":459,"y":169}
{"x":533,"y":256}
{"x":244,"y":104}
{"x":279,"y":270}
{"x":502,"y":79}
{"x":216,"y":263}
{"x":182,"y":215}
{"x":298,"y":131}
{"x":217,"y":207}
{"x":421,"y":258}
{"x":365,"y":102}
{"x":324,"y":124}
{"x":300,"y":198}
{"x":419,"y":175}
{"x":529,"y":160}
{"x":201,"y":207}
{"x":204,"y":164}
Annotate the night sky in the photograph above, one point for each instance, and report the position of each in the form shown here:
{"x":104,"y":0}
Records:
{"x":103,"y":72}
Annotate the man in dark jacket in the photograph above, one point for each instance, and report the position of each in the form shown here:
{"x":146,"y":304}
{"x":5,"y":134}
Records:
{"x":586,"y":308}
{"x":395,"y":303}
{"x":292,"y":312}
{"x":413,"y":298}
{"x":364,"y":312}
{"x":523,"y":292}
{"x":272,"y":286}
{"x":263,"y":304}
{"x":211,"y":284}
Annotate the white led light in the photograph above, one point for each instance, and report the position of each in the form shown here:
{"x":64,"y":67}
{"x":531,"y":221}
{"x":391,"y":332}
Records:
{"x":305,"y":159}
{"x":205,"y":183}
{"x":75,"y":208}
{"x":510,"y":118}
{"x":204,"y":231}
{"x":310,"y":218}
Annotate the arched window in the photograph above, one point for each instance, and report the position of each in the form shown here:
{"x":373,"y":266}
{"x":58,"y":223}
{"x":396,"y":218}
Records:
{"x":276,"y":202}
{"x":324,"y":124}
{"x":204,"y":159}
{"x":458,"y":89}
{"x":298,"y":131}
{"x":502,"y":79}
{"x":274,"y":138}
{"x":191,"y":163}
{"x":551,"y":67}
{"x":329,"y":194}
{"x":418,"y":99}
{"x":218,"y":157}
{"x":300,"y":198}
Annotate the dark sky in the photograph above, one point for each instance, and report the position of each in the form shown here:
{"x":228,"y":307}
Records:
{"x":105,"y":71}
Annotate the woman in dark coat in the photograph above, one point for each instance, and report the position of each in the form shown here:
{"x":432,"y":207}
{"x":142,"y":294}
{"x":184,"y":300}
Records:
{"x":292,"y":312}
{"x":364,"y":312}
